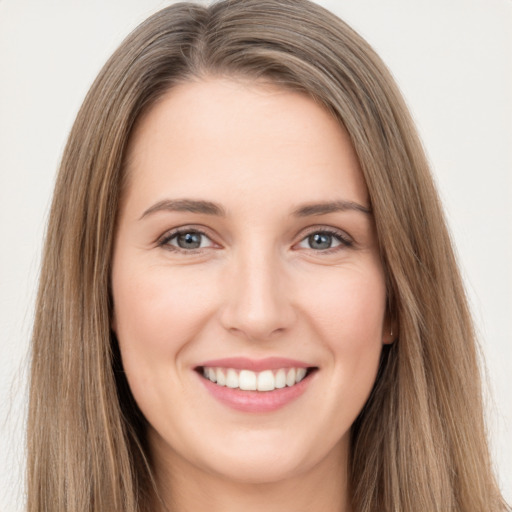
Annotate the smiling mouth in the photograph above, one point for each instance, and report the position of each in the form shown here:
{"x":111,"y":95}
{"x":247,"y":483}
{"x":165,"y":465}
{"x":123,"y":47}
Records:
{"x":248,"y":380}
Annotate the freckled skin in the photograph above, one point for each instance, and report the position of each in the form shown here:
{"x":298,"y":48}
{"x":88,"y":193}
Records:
{"x":256,"y":287}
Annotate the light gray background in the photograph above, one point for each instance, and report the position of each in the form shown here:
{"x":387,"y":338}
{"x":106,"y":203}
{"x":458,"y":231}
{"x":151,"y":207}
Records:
{"x":451,"y":58}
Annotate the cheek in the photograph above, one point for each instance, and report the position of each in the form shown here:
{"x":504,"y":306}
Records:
{"x":349,"y":306}
{"x":157,"y":313}
{"x":348,"y":313}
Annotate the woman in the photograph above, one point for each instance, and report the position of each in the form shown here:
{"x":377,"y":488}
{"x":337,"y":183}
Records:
{"x":249,"y":298}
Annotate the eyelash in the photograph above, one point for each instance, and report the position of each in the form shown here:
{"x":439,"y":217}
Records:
{"x":164,"y":241}
{"x":342,"y":238}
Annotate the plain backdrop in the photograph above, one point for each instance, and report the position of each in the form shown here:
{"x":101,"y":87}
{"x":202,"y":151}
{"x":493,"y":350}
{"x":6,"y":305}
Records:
{"x":451,"y":58}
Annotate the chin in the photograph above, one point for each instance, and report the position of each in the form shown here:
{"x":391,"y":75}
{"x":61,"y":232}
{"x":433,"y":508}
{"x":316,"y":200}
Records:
{"x":259,"y":469}
{"x":269,"y":457}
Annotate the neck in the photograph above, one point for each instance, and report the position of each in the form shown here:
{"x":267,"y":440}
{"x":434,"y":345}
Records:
{"x":187,"y":488}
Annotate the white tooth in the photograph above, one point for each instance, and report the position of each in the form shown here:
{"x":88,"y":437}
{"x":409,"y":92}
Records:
{"x":301,"y":373}
{"x":247,"y":380}
{"x":205,"y":373}
{"x":231,"y":378}
{"x":212,"y":375}
{"x":290,"y":377}
{"x":221,"y":377}
{"x":280,"y":379}
{"x":266,"y":381}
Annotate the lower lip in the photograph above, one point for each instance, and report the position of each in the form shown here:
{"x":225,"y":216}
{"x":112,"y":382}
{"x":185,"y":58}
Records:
{"x":257,"y":401}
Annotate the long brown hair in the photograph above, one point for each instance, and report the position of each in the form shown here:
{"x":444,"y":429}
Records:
{"x":419,"y":444}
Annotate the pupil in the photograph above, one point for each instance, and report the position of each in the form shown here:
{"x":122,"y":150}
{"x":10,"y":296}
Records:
{"x":320,"y":241}
{"x":189,"y":240}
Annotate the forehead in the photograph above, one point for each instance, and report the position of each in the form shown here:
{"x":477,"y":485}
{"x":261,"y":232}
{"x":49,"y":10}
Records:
{"x":255,"y":141}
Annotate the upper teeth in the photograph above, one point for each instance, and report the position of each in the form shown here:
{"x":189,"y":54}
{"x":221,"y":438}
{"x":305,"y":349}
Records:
{"x":267,"y":380}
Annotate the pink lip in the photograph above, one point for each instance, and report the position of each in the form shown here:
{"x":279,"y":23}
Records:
{"x":255,"y":365}
{"x":256,"y":401}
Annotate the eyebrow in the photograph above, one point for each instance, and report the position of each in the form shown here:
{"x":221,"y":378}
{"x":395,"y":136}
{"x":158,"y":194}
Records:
{"x":186,"y":205}
{"x":210,"y":208}
{"x":330,"y":207}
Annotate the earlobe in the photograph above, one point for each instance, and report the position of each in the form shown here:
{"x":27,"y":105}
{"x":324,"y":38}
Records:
{"x":389,"y":333}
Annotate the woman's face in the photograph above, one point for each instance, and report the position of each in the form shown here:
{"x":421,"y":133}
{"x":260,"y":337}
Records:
{"x":246,"y":252}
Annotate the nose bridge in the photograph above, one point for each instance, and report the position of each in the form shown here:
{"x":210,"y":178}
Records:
{"x":257,"y":301}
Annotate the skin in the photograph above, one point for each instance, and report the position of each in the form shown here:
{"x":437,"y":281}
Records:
{"x":256,"y":287}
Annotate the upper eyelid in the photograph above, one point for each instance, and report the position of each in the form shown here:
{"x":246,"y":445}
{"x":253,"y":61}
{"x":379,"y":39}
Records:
{"x":186,"y":229}
{"x":327,"y":229}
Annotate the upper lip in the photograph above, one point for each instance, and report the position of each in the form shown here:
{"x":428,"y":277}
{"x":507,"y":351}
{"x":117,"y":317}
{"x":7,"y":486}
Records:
{"x":255,"y":365}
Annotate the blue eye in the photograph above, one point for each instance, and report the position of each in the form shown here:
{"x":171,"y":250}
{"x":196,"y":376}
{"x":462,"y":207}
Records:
{"x":320,"y":241}
{"x":187,"y":240}
{"x":324,"y":240}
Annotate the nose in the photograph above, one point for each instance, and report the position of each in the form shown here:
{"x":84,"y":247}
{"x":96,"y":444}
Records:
{"x":258,"y":302}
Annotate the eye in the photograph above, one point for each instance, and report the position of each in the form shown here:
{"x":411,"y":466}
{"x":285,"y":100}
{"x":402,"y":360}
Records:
{"x":186,"y":240}
{"x":325,"y":240}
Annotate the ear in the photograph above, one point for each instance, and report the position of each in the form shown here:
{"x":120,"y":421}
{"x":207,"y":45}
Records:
{"x":389,"y":331}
